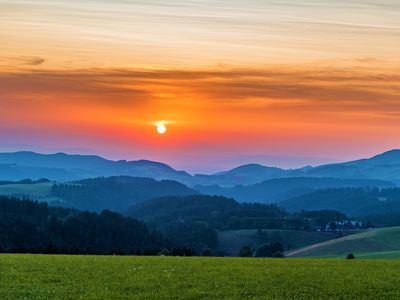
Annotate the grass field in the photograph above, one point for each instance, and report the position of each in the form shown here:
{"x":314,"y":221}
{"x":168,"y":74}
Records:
{"x":36,"y":191}
{"x":115,"y":277}
{"x":377,"y":243}
{"x":231,"y":241}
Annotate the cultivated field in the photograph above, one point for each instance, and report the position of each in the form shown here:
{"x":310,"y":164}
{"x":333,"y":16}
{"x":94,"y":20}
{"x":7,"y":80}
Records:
{"x":114,"y":277}
{"x":36,"y":191}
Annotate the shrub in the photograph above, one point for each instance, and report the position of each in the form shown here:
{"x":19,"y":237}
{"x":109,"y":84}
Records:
{"x":278,"y":254}
{"x":268,"y":250}
{"x":207,"y":252}
{"x":245,"y":251}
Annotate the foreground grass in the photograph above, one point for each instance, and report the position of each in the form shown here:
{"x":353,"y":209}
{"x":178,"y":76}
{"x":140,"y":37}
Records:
{"x":114,"y":277}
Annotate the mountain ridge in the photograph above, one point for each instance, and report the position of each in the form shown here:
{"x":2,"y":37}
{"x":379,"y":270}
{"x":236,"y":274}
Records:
{"x":28,"y":164}
{"x":67,"y":167}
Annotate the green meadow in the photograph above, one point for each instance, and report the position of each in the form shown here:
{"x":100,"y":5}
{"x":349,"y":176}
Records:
{"x":129,"y":277}
{"x":37,"y":191}
{"x":377,"y":243}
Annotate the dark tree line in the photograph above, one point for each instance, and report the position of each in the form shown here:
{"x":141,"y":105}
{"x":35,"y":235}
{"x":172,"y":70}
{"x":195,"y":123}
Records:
{"x":24,"y":181}
{"x":115,"y":193}
{"x":218,"y":213}
{"x":30,"y":226}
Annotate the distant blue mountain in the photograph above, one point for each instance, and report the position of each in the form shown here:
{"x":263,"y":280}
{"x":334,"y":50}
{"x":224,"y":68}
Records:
{"x":385,"y":166}
{"x":279,"y":189}
{"x":66,"y":167}
{"x":243,"y":175}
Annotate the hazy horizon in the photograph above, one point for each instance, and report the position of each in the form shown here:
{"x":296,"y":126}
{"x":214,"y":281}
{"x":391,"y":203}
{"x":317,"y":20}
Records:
{"x":212,"y":166}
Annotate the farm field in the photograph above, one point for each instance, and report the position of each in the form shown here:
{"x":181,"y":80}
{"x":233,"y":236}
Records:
{"x":36,"y":191}
{"x":118,"y":277}
{"x":376,"y":243}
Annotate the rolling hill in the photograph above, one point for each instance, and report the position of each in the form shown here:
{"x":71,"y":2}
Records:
{"x":243,"y":175}
{"x":276,"y":190}
{"x":215,"y":211}
{"x":385,"y":166}
{"x":355,"y":202}
{"x":375,"y":243}
{"x":116,"y":193}
{"x":67,"y":167}
{"x":38,"y":191}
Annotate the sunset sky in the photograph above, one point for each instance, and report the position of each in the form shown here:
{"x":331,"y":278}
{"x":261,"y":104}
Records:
{"x":283,"y":83}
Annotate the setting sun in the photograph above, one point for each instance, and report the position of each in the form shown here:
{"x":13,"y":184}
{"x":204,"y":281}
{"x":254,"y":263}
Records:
{"x":161,"y":128}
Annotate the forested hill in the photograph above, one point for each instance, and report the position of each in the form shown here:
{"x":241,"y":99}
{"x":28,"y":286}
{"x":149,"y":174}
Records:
{"x":194,"y":220}
{"x":116,"y":193}
{"x":216,"y":212}
{"x":356,"y":202}
{"x":29,"y":226}
{"x":276,"y":190}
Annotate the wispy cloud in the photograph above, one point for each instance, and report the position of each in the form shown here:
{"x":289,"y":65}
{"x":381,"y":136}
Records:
{"x":183,"y":33}
{"x":21,"y":60}
{"x":287,"y":87}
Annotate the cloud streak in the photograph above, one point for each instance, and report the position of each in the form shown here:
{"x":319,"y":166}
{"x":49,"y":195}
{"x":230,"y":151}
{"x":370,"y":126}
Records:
{"x":181,"y":33}
{"x":287,"y":87}
{"x":21,"y":60}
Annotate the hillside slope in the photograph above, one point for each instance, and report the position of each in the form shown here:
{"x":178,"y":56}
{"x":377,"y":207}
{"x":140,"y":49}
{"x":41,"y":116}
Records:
{"x":38,"y":191}
{"x":364,"y":244}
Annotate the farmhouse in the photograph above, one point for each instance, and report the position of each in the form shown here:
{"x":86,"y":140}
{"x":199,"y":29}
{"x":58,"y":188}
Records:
{"x":345,"y":225}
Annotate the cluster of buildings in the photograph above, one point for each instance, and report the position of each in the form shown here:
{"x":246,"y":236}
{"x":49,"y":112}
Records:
{"x":345,"y":225}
